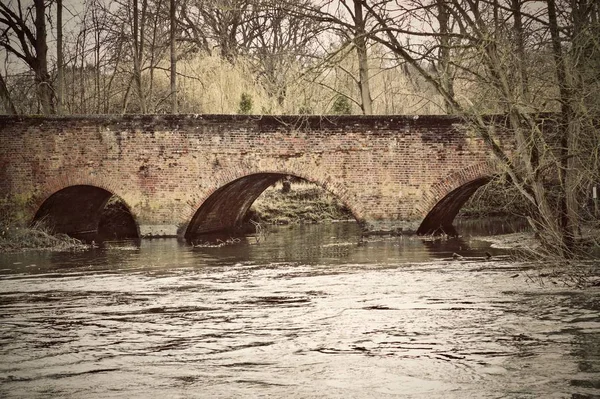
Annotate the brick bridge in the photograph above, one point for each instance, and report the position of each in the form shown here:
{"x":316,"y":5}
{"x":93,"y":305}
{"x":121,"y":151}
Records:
{"x":188,"y":174}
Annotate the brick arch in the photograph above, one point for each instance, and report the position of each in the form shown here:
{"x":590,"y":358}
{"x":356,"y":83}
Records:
{"x":445,"y":198}
{"x":214,"y":213}
{"x":53,"y":185}
{"x":73,"y":204}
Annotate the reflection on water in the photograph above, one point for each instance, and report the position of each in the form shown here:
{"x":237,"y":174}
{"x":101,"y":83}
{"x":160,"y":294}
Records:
{"x":490,"y":226}
{"x":311,"y":311}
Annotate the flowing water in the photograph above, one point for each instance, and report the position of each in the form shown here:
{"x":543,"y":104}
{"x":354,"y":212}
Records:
{"x":304,"y":312}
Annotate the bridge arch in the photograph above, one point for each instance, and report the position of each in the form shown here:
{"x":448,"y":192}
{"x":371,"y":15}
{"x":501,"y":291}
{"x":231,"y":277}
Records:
{"x":445,"y":198}
{"x":77,"y":210}
{"x":232,"y":194}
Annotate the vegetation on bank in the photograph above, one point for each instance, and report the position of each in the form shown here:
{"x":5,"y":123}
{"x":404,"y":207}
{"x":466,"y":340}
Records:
{"x":15,"y":238}
{"x":303,"y":203}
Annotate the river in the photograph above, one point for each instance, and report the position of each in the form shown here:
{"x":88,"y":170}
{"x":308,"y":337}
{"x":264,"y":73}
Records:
{"x":306,"y":312}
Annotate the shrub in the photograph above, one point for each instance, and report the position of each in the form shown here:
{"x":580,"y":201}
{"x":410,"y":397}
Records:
{"x":341,"y":106}
{"x":245,"y":104}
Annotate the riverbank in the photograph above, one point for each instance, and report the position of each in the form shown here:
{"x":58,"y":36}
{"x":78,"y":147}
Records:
{"x":13,"y":239}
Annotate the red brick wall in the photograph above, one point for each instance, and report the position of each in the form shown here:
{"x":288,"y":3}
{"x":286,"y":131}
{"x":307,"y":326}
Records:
{"x":389,"y":170}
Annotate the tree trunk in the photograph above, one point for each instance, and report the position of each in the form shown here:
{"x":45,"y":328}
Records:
{"x":152,"y":62}
{"x":137,"y":55}
{"x":566,"y":206}
{"x":173,"y":57}
{"x":42,"y":77}
{"x":522,"y":79}
{"x":83,"y":108}
{"x":97,"y":75}
{"x":360,"y":41}
{"x":444,"y":71}
{"x":60,"y":84}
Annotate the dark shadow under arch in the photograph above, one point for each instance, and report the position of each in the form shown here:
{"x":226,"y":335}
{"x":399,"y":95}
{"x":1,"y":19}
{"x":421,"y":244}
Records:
{"x":439,"y":220}
{"x":81,"y":211}
{"x":226,"y":208}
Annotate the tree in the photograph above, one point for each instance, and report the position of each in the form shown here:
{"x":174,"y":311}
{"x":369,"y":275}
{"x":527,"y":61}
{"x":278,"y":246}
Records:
{"x":23,"y":34}
{"x":217,"y":24}
{"x":444,"y":61}
{"x":272,"y":35}
{"x":279,"y":43}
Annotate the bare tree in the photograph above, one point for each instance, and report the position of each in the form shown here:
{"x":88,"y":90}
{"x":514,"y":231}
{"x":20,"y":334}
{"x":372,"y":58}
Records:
{"x":444,"y":61}
{"x":23,"y":34}
{"x":277,"y":43}
{"x":217,"y":24}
